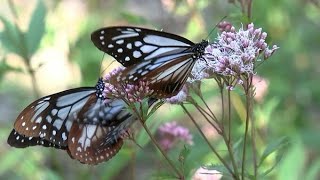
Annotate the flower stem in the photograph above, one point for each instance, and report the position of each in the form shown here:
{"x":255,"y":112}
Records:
{"x":209,"y":144}
{"x":229,"y":117}
{"x":227,"y":137}
{"x":248,"y":92}
{"x":161,"y":151}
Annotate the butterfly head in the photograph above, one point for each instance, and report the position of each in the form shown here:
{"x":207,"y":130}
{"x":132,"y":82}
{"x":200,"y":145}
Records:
{"x":99,"y":88}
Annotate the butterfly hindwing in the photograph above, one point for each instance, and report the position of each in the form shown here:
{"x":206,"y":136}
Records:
{"x":130,"y":45}
{"x":166,"y":75}
{"x":87,"y":143}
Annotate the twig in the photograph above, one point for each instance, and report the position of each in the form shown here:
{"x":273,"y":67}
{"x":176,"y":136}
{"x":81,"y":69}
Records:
{"x":209,"y":144}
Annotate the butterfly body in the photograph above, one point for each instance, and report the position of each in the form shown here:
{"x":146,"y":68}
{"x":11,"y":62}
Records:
{"x":75,"y":120}
{"x":163,"y":59}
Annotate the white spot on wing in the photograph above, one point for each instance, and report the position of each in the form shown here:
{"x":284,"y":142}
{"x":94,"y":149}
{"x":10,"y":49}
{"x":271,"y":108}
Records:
{"x":49,"y":119}
{"x":147,"y":48}
{"x":123,"y":36}
{"x":137,"y":54}
{"x":110,"y":46}
{"x":39,"y":119}
{"x":57,"y":123}
{"x":120,"y":50}
{"x":129,"y":46}
{"x":121,"y":41}
{"x":64,"y":137}
{"x":138,"y":43}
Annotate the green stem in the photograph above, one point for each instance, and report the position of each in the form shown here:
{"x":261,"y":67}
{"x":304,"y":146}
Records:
{"x":227,"y":138}
{"x":160,"y":149}
{"x":209,"y":144}
{"x":248,"y":106}
{"x":214,"y":117}
{"x":140,"y":117}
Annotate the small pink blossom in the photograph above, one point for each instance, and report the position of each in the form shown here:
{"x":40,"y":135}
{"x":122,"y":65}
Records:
{"x":129,"y":92}
{"x":180,"y":97}
{"x":170,"y":133}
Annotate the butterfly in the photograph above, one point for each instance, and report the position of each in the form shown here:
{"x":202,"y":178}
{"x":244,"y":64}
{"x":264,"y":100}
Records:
{"x":76,"y":120}
{"x":163,"y":59}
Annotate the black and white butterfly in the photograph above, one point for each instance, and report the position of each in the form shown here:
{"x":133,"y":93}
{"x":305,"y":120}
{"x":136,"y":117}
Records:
{"x":163,"y":59}
{"x":75,"y":120}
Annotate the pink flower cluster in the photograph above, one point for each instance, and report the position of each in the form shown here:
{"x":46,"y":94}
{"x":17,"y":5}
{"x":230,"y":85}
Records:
{"x":234,"y":53}
{"x":129,"y":92}
{"x":171,"y":133}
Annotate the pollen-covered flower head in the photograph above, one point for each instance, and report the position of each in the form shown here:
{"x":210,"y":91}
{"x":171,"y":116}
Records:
{"x":233,"y":54}
{"x":129,"y":92}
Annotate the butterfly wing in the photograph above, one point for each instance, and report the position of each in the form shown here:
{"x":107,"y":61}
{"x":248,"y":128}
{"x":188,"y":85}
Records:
{"x":71,"y":118}
{"x":50,"y":118}
{"x":130,"y":45}
{"x":166,"y":75}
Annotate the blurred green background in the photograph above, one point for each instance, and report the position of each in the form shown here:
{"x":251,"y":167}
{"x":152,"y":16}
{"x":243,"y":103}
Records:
{"x":63,"y":56}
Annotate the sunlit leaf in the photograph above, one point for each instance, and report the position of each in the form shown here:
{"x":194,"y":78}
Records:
{"x":293,"y":164}
{"x":36,"y":28}
{"x":11,"y":37}
{"x":274,"y":146}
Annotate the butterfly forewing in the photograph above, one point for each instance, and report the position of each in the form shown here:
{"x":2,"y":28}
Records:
{"x":163,"y":59}
{"x":51,"y":117}
{"x":130,"y":45}
{"x":21,"y":141}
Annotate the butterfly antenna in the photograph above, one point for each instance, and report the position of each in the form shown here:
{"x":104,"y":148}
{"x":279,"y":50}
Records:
{"x":216,"y":26}
{"x":106,"y":67}
{"x":101,"y":62}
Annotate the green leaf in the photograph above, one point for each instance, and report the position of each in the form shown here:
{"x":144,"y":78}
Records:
{"x":133,"y":19}
{"x":36,"y":28}
{"x":272,"y":147}
{"x":11,"y":37}
{"x":279,"y":156}
{"x":293,"y":164}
